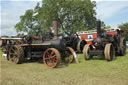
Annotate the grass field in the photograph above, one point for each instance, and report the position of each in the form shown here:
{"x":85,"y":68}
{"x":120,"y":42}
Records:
{"x":93,"y":72}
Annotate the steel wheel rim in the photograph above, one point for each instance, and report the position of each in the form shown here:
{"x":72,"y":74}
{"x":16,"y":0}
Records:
{"x":51,"y":57}
{"x":13,"y":54}
{"x":86,"y":50}
{"x":109,"y":52}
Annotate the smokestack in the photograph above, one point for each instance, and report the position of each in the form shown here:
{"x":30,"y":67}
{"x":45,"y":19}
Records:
{"x":55,"y":25}
{"x":98,"y":26}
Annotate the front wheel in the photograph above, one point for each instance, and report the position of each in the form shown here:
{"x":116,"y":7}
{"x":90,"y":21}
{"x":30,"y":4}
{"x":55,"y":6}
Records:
{"x":86,"y":50}
{"x":109,"y":52}
{"x":51,"y":57}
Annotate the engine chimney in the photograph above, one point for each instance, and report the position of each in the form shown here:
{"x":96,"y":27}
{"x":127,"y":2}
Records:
{"x":55,"y":25}
{"x":98,"y":26}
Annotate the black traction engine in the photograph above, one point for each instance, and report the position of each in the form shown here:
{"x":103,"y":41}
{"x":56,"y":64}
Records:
{"x":106,"y":44}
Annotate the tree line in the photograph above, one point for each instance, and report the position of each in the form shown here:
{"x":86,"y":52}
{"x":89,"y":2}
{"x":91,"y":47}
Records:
{"x":72,"y":15}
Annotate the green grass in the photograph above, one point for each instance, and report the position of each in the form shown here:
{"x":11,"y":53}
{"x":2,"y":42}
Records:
{"x":93,"y":72}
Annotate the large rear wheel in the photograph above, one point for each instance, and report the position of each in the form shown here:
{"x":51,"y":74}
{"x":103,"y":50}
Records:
{"x":16,"y":54}
{"x":109,"y":52}
{"x":51,"y":57}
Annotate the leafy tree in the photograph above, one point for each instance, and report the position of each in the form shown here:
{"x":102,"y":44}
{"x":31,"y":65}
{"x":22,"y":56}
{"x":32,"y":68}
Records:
{"x":74,"y":15}
{"x":26,"y":23}
{"x":124,"y":27}
{"x":29,"y":22}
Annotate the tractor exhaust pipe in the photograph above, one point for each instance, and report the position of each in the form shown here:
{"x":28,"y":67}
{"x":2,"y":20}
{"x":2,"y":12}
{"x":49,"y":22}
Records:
{"x":98,"y":26}
{"x":55,"y":25}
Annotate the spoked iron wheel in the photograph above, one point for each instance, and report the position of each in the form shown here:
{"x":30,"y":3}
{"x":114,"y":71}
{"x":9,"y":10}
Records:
{"x":86,"y":50}
{"x":69,"y":55}
{"x":109,"y":52}
{"x":16,"y":54}
{"x":81,"y":45}
{"x":51,"y":57}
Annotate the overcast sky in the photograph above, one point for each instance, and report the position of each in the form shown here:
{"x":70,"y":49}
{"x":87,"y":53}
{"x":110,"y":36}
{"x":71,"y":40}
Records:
{"x":112,"y":12}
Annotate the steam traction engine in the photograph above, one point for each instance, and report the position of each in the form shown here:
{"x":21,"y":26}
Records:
{"x":52,"y":50}
{"x":106,"y":44}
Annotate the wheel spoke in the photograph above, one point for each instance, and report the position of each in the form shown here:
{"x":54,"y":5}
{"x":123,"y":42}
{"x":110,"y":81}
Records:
{"x":13,"y":58}
{"x":53,"y":56}
{"x":48,"y":54}
{"x":52,"y":53}
{"x":13,"y":50}
{"x":53,"y":59}
{"x":47,"y":58}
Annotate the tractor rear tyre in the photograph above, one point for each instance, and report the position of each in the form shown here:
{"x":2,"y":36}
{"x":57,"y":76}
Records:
{"x":16,"y":54}
{"x":109,"y":52}
{"x":51,"y":57}
{"x":86,"y":50}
